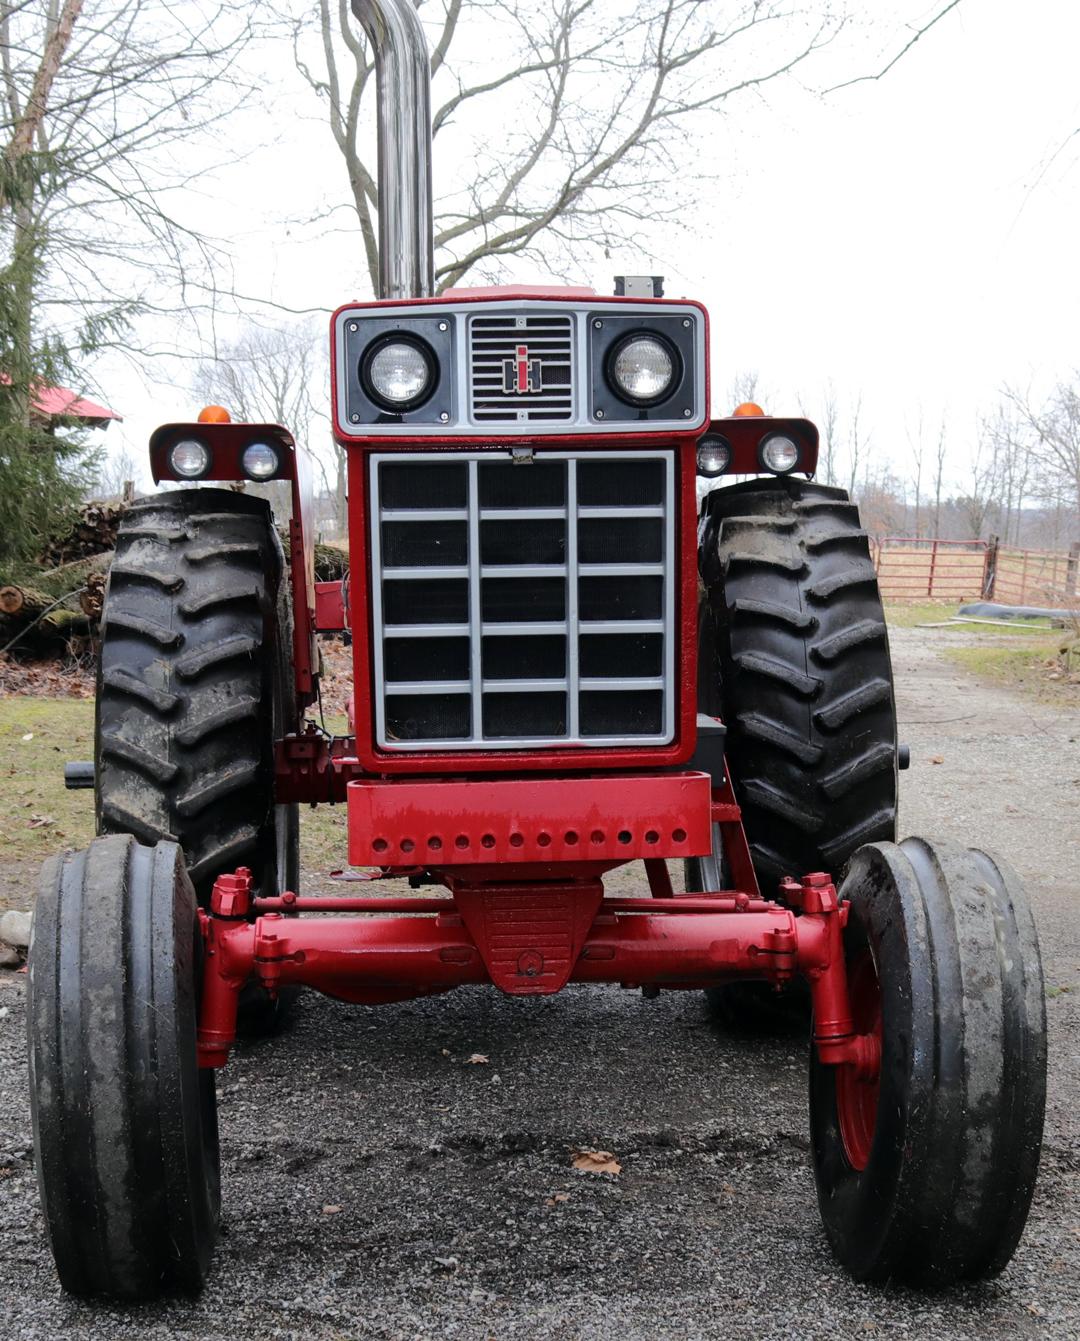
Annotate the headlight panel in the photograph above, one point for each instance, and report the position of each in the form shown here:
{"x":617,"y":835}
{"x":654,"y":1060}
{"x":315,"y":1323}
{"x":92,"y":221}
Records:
{"x":368,"y":373}
{"x":618,"y":343}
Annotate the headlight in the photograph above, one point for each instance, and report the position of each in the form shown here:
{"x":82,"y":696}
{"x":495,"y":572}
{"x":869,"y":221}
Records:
{"x":713,"y":457}
{"x":190,"y":458}
{"x":398,"y":374}
{"x":779,"y":454}
{"x":642,"y":369}
{"x":260,"y":461}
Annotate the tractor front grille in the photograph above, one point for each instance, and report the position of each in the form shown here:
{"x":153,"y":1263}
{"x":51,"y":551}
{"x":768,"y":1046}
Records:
{"x":521,"y":368}
{"x":523,"y":604}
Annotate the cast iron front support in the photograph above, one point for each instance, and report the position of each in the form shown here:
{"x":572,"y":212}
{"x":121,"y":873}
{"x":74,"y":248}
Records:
{"x":528,"y":939}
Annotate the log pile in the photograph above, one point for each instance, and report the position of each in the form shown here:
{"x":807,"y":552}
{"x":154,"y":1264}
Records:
{"x":94,"y":532}
{"x":57,"y":607}
{"x":331,"y":563}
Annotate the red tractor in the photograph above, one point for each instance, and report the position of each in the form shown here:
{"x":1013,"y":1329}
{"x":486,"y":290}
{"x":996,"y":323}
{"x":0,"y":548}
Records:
{"x":561,"y":665}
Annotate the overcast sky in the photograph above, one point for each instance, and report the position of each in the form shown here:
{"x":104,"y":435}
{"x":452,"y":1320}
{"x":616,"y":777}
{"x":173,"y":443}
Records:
{"x":912,"y":239}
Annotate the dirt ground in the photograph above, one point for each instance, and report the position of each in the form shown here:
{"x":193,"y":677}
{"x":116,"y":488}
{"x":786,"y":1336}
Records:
{"x":377,"y":1184}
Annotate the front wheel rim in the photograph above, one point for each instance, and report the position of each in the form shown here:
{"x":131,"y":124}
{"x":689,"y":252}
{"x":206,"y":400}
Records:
{"x":857,"y":1097}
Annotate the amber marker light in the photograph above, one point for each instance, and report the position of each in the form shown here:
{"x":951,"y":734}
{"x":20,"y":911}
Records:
{"x":214,"y":414}
{"x":748,"y":410}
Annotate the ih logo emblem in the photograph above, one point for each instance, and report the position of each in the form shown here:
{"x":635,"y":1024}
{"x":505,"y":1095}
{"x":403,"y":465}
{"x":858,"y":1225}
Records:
{"x":521,"y":374}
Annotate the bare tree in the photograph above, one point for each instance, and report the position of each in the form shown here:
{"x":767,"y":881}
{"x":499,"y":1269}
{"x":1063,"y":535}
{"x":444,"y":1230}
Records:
{"x":917,"y":446}
{"x":981,"y":500}
{"x":829,"y":428}
{"x":939,"y":475}
{"x":857,"y":445}
{"x":1054,"y":439}
{"x":745,"y":387}
{"x":96,"y":96}
{"x":1011,"y":441}
{"x":270,"y":375}
{"x":568,"y":112}
{"x":117,"y":475}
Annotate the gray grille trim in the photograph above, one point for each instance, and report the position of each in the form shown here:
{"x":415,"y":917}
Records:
{"x":475,"y":628}
{"x":461,"y":421}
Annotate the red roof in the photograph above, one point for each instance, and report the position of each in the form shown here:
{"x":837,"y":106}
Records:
{"x":55,"y":402}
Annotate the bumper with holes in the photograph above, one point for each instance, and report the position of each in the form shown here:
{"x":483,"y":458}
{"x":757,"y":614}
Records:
{"x":471,"y":822}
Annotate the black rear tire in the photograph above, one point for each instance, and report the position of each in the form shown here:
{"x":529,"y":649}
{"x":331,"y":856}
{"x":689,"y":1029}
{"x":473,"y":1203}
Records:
{"x":927,"y":1174}
{"x":125,"y":1122}
{"x":795,"y":659}
{"x":194,"y":683}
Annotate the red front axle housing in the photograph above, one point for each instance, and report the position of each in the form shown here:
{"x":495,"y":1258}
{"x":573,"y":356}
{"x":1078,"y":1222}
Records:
{"x":527,"y":939}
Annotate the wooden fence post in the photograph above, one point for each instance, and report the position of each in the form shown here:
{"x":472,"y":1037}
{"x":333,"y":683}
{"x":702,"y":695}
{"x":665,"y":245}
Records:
{"x":1072,"y":563}
{"x":990,"y":569}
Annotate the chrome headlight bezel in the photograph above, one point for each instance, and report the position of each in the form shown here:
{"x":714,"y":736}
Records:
{"x":721,"y":461}
{"x":381,"y":345}
{"x":666,"y":349}
{"x":201,"y":470}
{"x":777,"y":438}
{"x":273,"y":456}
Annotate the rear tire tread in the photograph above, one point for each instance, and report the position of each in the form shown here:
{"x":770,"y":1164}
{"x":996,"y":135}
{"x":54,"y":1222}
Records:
{"x":797,"y":664}
{"x":186,"y":690}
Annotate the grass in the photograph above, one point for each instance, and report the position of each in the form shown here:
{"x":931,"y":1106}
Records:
{"x":37,"y":815}
{"x":925,"y":612}
{"x":1021,"y":658}
{"x":323,"y":839}
{"x":1027,"y":669}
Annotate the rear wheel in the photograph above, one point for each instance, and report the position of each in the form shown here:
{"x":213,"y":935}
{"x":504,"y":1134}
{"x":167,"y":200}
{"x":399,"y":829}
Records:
{"x":194,"y":681}
{"x":795,"y":659}
{"x":194,"y":685}
{"x":925,"y":1173}
{"x":125,"y":1122}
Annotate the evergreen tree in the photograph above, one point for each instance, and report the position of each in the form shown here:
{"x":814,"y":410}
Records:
{"x":45,"y":467}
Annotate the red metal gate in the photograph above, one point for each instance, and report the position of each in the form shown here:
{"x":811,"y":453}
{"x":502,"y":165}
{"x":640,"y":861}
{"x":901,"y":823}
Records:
{"x":913,"y":569}
{"x":910,"y":568}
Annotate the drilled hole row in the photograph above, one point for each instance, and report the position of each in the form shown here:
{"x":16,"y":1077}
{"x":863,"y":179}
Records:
{"x":543,"y":839}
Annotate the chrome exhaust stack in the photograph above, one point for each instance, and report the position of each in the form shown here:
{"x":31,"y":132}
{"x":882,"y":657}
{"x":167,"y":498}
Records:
{"x":403,"y":91}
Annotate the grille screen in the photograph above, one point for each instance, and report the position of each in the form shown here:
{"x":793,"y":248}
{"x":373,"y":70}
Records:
{"x":523,"y":605}
{"x":521,"y":369}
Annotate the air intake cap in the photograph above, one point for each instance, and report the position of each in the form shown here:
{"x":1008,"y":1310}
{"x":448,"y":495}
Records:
{"x":639,"y":286}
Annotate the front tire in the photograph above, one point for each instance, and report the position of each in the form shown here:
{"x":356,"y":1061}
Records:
{"x":925,"y":1174}
{"x":124,"y":1120}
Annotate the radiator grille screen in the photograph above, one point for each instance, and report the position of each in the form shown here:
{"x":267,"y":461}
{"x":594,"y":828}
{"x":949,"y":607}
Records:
{"x":523,"y":605}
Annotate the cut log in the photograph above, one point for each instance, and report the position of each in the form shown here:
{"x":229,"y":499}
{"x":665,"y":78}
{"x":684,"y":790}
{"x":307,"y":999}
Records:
{"x":24,"y":602}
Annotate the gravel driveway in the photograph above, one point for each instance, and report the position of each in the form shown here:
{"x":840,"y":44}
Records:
{"x":379,"y":1184}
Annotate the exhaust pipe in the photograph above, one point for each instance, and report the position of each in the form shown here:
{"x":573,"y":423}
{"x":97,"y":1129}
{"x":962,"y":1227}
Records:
{"x":403,"y":92}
